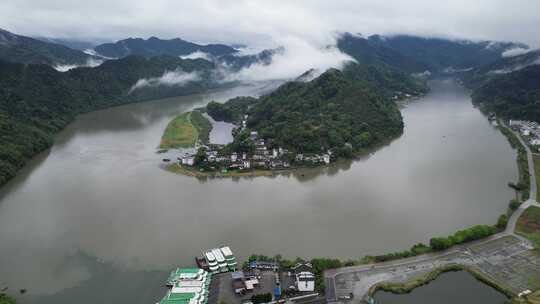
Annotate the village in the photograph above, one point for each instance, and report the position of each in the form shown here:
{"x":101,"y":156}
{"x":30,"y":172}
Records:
{"x":529,"y":130}
{"x":263,"y":157}
{"x":218,"y":279}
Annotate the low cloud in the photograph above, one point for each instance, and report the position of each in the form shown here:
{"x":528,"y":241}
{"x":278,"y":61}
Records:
{"x":298,"y":56}
{"x":169,"y":78}
{"x":91,"y":62}
{"x":197,"y":55}
{"x":515,"y":52}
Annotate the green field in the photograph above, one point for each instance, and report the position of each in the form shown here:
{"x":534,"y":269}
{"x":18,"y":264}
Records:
{"x":528,"y":225}
{"x":184,"y":131}
{"x":536,"y":159}
{"x":202,"y":124}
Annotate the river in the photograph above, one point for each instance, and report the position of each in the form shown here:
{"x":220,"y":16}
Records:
{"x":97,"y":218}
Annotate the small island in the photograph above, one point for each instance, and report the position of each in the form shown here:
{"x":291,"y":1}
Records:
{"x":338,"y":115}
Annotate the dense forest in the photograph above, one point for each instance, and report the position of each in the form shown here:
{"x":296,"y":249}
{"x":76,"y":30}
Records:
{"x":232,"y":111}
{"x":36,"y":101}
{"x":512,"y":95}
{"x":342,"y":111}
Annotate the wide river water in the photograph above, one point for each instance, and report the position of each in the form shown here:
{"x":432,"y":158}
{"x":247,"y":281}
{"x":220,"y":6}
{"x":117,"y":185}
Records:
{"x":98,"y":220}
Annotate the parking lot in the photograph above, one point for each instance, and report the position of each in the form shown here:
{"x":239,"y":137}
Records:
{"x":507,"y":261}
{"x":227,"y":295}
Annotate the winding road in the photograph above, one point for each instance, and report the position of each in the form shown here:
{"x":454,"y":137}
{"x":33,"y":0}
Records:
{"x":503,"y":258}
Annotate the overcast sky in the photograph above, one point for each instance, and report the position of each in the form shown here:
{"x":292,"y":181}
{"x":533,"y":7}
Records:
{"x":266,"y":22}
{"x":304,"y":28}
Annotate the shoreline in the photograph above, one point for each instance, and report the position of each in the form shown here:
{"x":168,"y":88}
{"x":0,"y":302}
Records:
{"x":528,"y":199}
{"x":361,"y":154}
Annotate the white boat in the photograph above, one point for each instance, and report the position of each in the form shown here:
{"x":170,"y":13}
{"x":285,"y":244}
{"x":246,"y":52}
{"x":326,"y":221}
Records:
{"x":211,"y":259}
{"x":220,"y":260}
{"x":229,"y":257}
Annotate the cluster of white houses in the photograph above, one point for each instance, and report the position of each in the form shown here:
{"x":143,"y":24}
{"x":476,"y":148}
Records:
{"x":529,"y":129}
{"x":263,"y":157}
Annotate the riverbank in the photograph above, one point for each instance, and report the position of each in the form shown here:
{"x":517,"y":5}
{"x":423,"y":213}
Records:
{"x":523,"y":184}
{"x":191,"y":171}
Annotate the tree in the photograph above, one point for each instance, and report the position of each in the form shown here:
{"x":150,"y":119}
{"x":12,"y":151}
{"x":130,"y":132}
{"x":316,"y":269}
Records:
{"x":440,"y":243}
{"x":200,"y":157}
{"x":502,"y":221}
{"x":261,"y":298}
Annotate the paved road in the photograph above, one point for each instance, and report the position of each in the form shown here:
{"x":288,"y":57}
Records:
{"x":501,"y":252}
{"x":533,"y":189}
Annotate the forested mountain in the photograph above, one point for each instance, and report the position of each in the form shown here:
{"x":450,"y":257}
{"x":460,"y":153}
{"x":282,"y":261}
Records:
{"x":154,"y":46}
{"x":417,"y":54}
{"x":236,"y":62}
{"x":439,"y":54}
{"x":36,"y":101}
{"x":16,"y":48}
{"x":512,"y":95}
{"x":368,"y":51}
{"x":343,"y":111}
{"x":504,"y":65}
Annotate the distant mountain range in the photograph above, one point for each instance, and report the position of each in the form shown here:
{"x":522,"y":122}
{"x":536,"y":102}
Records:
{"x":81,"y":45}
{"x":154,"y":46}
{"x":418,"y":54}
{"x":16,"y":48}
{"x":220,"y":53}
{"x":72,"y":53}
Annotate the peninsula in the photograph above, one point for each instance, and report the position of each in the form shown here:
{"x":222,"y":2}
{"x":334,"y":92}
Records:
{"x":338,"y":115}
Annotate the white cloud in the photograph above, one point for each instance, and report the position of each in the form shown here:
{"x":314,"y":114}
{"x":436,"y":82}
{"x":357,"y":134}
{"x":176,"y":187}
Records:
{"x":90,"y":62}
{"x":169,"y":78}
{"x":515,"y":52}
{"x":298,"y":57}
{"x":196,"y":55}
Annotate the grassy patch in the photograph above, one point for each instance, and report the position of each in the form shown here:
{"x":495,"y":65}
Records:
{"x":180,"y":133}
{"x":202,"y":124}
{"x":528,"y":225}
{"x":536,"y":159}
